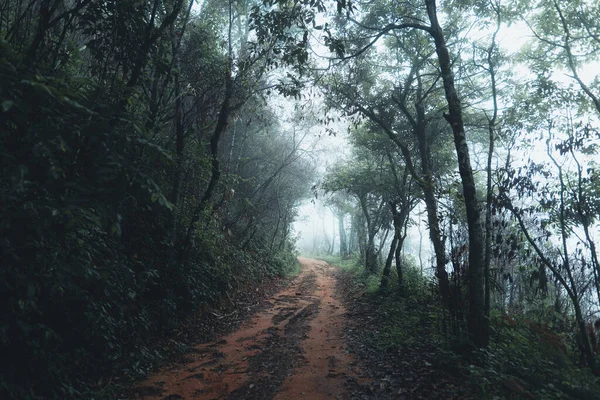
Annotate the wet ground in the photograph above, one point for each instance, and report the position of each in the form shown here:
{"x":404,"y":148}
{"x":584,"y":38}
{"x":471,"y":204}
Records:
{"x":293,"y":349}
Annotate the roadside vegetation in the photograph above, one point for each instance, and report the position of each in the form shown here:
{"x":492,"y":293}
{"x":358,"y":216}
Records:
{"x":144,"y":178}
{"x":404,"y":340}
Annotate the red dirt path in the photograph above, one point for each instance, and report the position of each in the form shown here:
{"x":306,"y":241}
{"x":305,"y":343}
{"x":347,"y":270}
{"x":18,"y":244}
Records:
{"x":294,"y":349}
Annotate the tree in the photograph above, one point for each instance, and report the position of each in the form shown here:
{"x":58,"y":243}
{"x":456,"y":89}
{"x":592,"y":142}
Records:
{"x":363,"y":180}
{"x":401,"y":203}
{"x":341,"y":207}
{"x":113,"y":118}
{"x":477,"y":321}
{"x":566,"y":36}
{"x":560,"y":191}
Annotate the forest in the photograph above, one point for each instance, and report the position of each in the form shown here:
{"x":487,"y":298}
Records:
{"x":156,"y":153}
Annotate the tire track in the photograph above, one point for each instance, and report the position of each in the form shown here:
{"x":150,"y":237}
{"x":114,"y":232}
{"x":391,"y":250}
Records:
{"x":293,"y":349}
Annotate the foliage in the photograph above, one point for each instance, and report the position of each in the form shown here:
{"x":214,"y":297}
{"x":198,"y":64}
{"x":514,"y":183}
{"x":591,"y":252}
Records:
{"x":525,"y":358}
{"x":532,"y":118}
{"x":531,"y":358}
{"x":109,"y":234}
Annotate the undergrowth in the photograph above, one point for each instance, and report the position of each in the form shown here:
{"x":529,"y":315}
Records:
{"x":526,"y":359}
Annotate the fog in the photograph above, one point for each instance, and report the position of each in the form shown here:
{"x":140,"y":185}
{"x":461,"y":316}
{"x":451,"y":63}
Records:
{"x":316,"y":227}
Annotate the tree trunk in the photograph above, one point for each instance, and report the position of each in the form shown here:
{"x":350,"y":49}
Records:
{"x":351,"y":237}
{"x":385,"y":276}
{"x":359,"y":237}
{"x":152,"y":35}
{"x":371,"y":255}
{"x":343,"y":244}
{"x":489,"y":188}
{"x":478,"y":324}
{"x":426,"y":182}
{"x":488,"y":220}
{"x":178,"y":173}
{"x":332,"y":247}
{"x":215,"y":169}
{"x":370,"y":252}
{"x":400,"y":220}
{"x":399,"y":269}
{"x":428,"y":187}
{"x":285,"y":232}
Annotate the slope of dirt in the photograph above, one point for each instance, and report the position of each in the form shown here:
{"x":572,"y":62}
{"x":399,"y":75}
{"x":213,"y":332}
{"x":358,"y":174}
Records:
{"x":292,"y":349}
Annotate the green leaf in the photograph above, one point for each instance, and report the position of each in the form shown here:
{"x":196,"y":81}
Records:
{"x":76,"y":105}
{"x":7,"y":105}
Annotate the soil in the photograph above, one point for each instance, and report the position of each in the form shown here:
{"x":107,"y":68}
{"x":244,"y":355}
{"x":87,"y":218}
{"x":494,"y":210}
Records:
{"x":293,"y":348}
{"x":311,"y":338}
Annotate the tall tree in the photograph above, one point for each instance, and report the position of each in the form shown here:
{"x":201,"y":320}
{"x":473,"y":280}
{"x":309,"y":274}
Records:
{"x":478,"y":324}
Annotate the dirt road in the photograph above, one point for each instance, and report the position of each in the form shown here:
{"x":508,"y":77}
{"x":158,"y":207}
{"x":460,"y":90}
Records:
{"x":294,"y":349}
